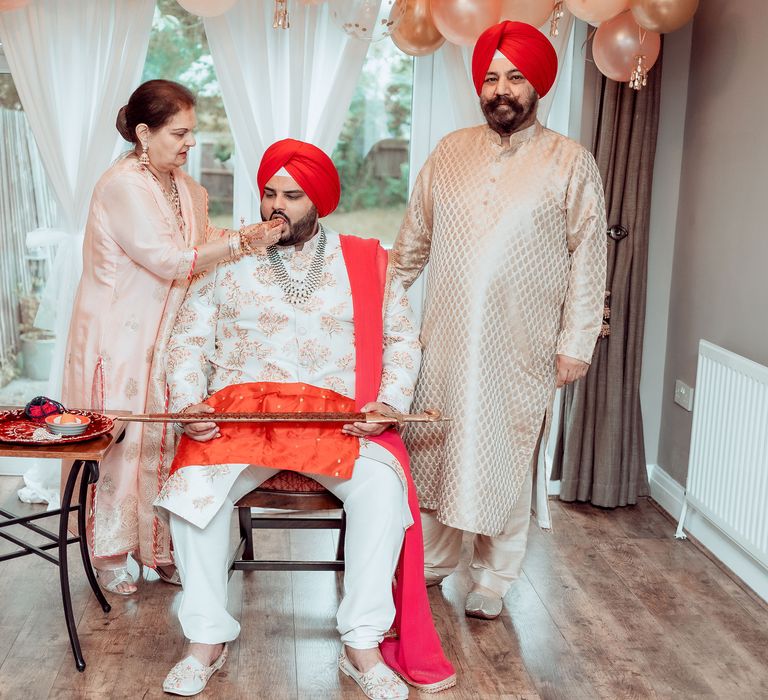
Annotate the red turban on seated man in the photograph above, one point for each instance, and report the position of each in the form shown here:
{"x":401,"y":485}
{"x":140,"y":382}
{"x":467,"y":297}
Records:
{"x":312,"y":169}
{"x":525,"y":46}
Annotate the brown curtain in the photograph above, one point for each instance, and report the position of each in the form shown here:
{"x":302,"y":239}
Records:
{"x":600,"y":456}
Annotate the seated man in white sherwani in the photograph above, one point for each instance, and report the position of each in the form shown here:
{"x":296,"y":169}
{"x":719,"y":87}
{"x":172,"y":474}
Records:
{"x":310,"y":326}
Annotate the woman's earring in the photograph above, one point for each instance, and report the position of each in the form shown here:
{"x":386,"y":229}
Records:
{"x":144,"y":157}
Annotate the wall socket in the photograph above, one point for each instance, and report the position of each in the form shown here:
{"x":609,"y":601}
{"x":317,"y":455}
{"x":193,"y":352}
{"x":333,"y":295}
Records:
{"x":684,"y":395}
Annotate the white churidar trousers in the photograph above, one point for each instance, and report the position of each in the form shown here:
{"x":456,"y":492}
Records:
{"x":373,"y":502}
{"x":496,"y":561}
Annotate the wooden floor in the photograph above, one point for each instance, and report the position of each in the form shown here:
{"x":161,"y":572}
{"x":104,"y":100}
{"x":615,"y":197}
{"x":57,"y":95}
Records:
{"x":610,"y":606}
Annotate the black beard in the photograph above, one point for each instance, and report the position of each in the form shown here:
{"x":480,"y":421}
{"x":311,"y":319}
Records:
{"x":301,"y":231}
{"x":508,"y":121}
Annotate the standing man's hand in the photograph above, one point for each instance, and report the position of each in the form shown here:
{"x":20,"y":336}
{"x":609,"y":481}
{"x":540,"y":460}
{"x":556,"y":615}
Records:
{"x":569,"y":369}
{"x":363,"y":430}
{"x":204,"y":430}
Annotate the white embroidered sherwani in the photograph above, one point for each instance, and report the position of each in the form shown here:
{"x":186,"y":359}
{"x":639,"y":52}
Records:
{"x":235,"y":327}
{"x":514,"y":232}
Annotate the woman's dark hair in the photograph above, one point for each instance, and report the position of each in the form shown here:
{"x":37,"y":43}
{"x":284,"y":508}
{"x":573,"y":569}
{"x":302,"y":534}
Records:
{"x":153,"y":103}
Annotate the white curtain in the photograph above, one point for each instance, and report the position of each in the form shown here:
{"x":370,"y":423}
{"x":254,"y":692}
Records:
{"x":455,"y":101}
{"x":276,"y":83}
{"x":74,"y":64}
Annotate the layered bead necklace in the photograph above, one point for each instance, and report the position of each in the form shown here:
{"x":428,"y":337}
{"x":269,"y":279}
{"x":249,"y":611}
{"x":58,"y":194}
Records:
{"x":172,"y":197}
{"x":298,"y":292}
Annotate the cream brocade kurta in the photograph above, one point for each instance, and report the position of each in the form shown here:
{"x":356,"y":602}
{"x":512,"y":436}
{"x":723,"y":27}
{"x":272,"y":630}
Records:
{"x":514,"y":232}
{"x":235,"y":327}
{"x":136,"y":266}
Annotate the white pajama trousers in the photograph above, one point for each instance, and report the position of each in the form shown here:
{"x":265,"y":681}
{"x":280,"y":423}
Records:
{"x":496,"y":560}
{"x":373,"y":502}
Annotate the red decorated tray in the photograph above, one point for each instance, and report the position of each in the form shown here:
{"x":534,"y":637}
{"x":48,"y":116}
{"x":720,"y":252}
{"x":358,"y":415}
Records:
{"x":17,"y":429}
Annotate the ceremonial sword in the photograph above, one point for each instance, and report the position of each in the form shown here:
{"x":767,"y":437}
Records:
{"x":428,"y":416}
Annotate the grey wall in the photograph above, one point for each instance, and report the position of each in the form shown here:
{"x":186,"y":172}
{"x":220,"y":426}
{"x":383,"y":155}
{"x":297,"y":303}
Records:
{"x":663,"y":223}
{"x":719,"y":287}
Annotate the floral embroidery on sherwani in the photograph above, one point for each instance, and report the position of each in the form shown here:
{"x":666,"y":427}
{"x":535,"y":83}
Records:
{"x":269,"y":339}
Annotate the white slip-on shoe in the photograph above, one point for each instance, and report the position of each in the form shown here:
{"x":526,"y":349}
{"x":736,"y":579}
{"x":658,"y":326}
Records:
{"x":190,"y":676}
{"x":482,"y":606}
{"x":380,"y":683}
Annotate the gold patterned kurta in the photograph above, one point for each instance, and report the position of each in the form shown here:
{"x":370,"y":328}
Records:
{"x":514,"y":231}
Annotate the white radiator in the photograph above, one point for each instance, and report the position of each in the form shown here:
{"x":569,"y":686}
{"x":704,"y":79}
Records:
{"x":728,"y":464}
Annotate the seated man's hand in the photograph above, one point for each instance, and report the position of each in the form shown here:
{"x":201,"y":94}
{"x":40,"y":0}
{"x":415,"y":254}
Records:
{"x":569,"y":369}
{"x":203,"y":431}
{"x":363,"y":430}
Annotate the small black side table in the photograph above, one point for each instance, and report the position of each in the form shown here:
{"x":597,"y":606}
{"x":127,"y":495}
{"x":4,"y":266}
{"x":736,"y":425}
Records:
{"x":85,"y":457}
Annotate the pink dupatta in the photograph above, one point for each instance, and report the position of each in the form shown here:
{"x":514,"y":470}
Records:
{"x":415,"y":652}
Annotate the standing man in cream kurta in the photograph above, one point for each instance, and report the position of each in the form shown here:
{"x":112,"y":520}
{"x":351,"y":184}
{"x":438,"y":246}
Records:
{"x":511,"y":217}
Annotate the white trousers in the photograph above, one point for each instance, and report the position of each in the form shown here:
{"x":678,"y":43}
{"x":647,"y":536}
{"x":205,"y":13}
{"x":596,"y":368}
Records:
{"x":496,"y":561}
{"x":373,"y":502}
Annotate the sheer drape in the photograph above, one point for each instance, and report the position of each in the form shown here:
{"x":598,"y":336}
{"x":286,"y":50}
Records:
{"x":74,"y":64}
{"x":277,"y":84}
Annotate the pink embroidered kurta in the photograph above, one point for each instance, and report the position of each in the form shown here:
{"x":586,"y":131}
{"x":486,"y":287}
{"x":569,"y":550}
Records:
{"x":137,"y":260}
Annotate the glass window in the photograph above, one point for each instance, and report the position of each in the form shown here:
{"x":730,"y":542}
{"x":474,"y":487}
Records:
{"x":178,"y":50}
{"x":27,"y":203}
{"x":372,"y":153}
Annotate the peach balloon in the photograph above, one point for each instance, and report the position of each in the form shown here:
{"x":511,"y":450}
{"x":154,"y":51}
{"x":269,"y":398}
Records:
{"x":534,"y":12}
{"x":617,"y":44}
{"x":596,"y":10}
{"x":6,"y":5}
{"x":663,"y":15}
{"x":462,"y":21}
{"x":207,"y":8}
{"x":417,"y":34}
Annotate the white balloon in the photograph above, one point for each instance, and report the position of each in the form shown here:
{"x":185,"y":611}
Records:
{"x":207,"y":8}
{"x":369,"y":20}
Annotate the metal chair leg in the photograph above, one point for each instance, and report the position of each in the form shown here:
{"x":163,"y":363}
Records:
{"x":66,"y":596}
{"x":90,"y":476}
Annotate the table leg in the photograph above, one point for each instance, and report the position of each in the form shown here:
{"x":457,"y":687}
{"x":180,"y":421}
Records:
{"x":90,"y":476}
{"x":66,"y":502}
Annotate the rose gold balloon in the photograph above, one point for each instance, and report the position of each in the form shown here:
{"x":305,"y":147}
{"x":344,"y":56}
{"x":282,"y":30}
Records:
{"x":596,"y":10}
{"x":617,"y":44}
{"x":12,"y":4}
{"x":462,"y":21}
{"x":534,"y":12}
{"x":417,"y":34}
{"x":663,"y":15}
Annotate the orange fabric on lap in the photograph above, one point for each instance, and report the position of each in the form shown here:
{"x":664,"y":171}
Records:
{"x":311,"y":448}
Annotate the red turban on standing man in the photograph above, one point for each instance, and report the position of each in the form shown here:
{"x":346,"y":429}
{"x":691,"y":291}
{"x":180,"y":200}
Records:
{"x":525,"y":46}
{"x":312,"y":169}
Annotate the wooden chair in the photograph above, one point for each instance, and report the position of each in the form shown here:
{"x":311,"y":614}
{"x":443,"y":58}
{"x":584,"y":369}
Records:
{"x":294,"y":493}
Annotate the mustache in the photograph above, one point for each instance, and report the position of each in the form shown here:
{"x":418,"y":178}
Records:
{"x":279,"y":215}
{"x":499,"y":100}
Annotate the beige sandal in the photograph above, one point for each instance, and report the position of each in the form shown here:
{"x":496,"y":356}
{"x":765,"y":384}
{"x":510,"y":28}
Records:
{"x":174,"y":579}
{"x":119,"y":577}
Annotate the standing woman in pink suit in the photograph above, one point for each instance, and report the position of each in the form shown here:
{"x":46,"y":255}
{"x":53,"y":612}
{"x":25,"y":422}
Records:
{"x":147,"y":234}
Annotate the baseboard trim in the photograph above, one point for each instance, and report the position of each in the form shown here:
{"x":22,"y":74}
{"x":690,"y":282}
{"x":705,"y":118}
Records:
{"x":669,"y":495}
{"x":10,"y":466}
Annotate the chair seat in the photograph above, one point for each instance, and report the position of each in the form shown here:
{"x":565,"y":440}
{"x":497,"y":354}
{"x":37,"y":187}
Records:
{"x":290,"y":491}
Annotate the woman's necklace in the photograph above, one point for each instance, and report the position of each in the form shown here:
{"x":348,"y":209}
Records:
{"x":171,"y":196}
